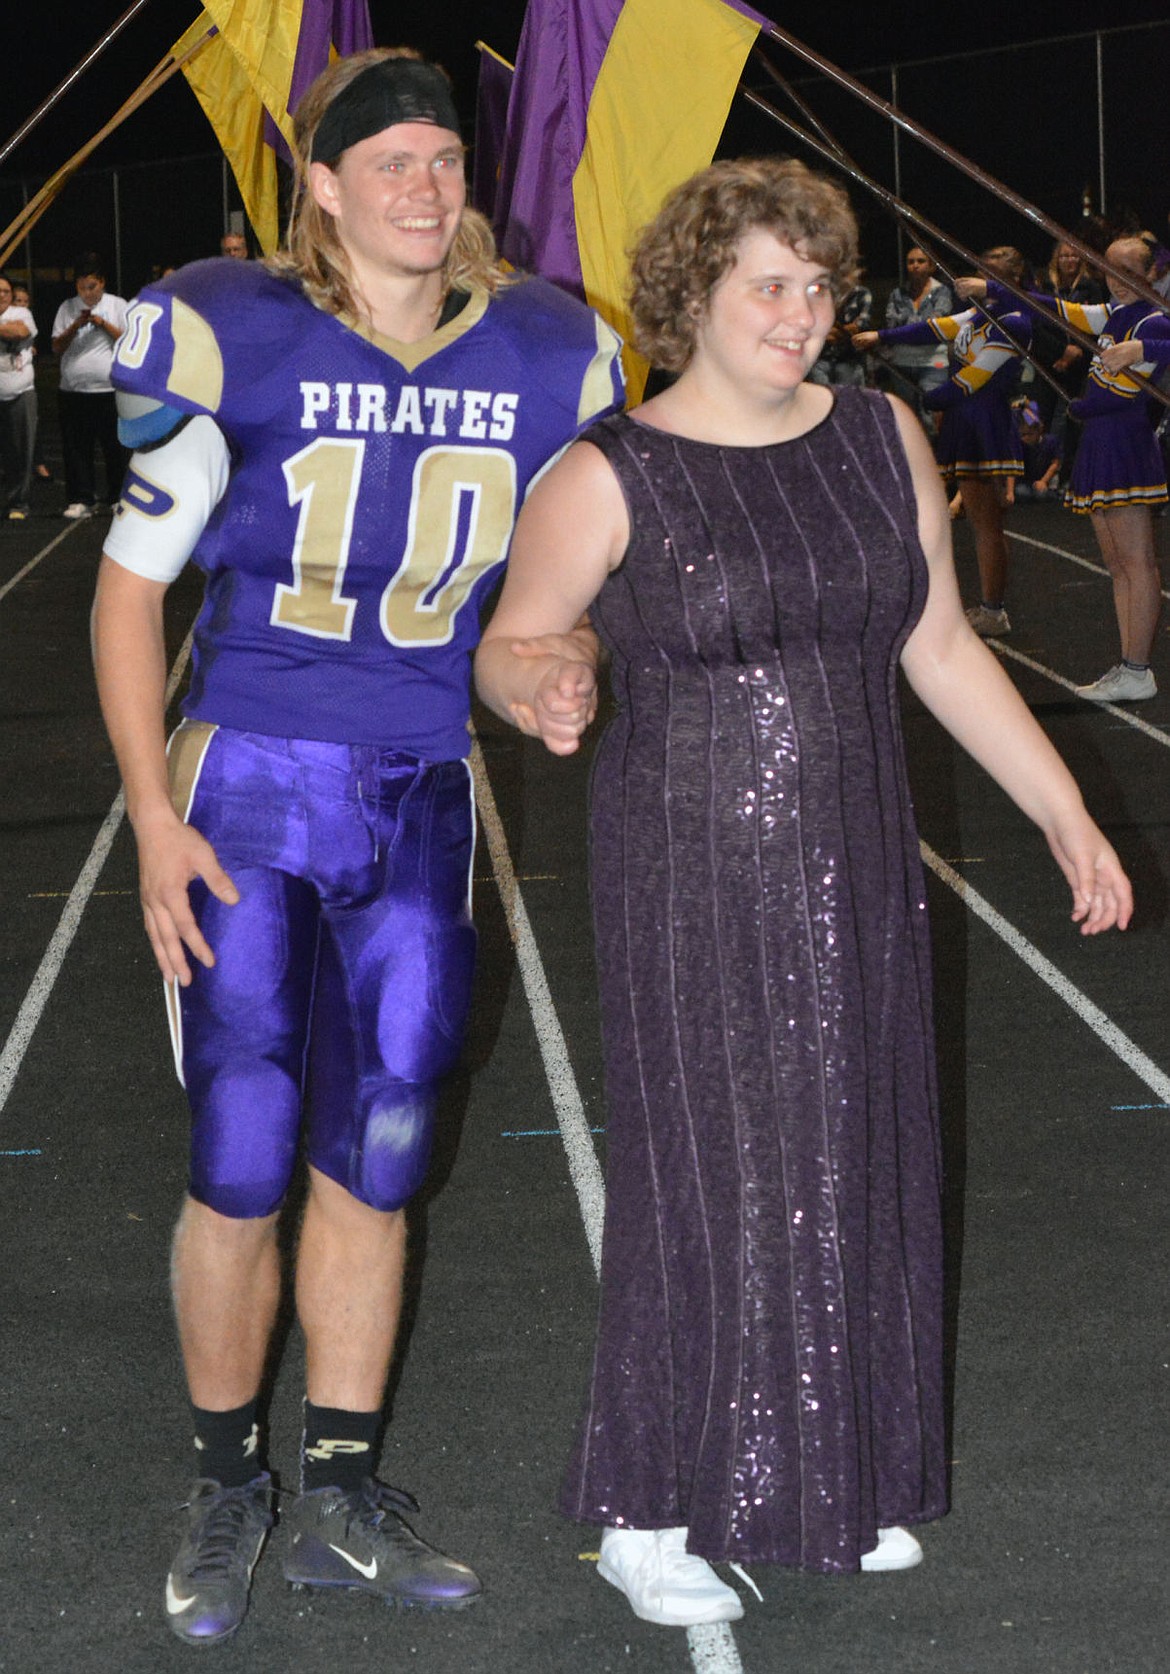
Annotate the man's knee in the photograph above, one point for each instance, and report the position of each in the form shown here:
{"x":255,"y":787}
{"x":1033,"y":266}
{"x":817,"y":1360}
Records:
{"x":384,"y":1160}
{"x":203,"y":1223}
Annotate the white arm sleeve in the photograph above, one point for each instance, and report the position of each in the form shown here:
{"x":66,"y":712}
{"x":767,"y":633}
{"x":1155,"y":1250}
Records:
{"x":167,"y":498}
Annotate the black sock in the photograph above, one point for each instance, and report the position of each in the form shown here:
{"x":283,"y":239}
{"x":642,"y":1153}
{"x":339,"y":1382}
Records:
{"x":1138,"y":668}
{"x":227,"y":1445}
{"x":338,"y":1449}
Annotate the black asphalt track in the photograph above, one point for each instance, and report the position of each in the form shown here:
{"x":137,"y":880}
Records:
{"x":1053,"y":1559}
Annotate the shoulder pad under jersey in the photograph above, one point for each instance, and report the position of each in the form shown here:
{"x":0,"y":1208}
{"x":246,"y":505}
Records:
{"x":208,"y":333}
{"x":564,"y":345}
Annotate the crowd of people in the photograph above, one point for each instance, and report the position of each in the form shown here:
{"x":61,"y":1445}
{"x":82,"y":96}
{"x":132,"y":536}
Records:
{"x":350,"y":440}
{"x":1019,"y":409}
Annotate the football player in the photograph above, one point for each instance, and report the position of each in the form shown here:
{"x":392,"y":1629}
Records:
{"x":340,"y":439}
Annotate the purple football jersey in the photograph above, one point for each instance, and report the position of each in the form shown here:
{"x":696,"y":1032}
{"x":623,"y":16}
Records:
{"x":372,"y":492}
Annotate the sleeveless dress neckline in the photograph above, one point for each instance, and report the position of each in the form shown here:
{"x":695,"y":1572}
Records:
{"x":735,"y":447}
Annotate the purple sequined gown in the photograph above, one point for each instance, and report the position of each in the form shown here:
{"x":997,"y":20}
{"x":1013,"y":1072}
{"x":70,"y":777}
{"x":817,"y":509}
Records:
{"x":768,"y":1367}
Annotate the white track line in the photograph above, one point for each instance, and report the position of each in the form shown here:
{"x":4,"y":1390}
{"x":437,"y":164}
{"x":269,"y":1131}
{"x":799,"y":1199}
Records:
{"x":43,"y":553}
{"x":1063,"y":552}
{"x":37,"y":997}
{"x":562,"y":1083}
{"x":1125,"y":715}
{"x":712,"y":1647}
{"x":1103,"y":1027}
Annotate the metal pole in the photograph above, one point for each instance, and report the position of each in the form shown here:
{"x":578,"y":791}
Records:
{"x":27,"y":236}
{"x":828,"y":145}
{"x":78,"y":69}
{"x":897,"y":165}
{"x":833,"y":153}
{"x":117,"y":232}
{"x":972,"y":170}
{"x":1101,"y":121}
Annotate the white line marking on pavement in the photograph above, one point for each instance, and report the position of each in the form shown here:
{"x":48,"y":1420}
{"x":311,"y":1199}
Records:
{"x":37,"y":997}
{"x":33,"y":562}
{"x":562,"y":1083}
{"x":1102,"y":1026}
{"x":712,"y":1647}
{"x":1063,"y":552}
{"x":1116,"y":709}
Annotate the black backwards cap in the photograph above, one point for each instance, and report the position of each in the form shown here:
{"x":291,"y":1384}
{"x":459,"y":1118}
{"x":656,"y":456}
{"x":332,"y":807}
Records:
{"x":390,"y":91}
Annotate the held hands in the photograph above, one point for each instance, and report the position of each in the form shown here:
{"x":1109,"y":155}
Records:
{"x":170,"y":855}
{"x":971,"y":288}
{"x":564,"y":699}
{"x":865,"y":340}
{"x":1102,"y":896}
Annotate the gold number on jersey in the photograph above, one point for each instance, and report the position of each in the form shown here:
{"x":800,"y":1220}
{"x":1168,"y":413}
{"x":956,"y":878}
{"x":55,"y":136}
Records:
{"x":461,"y":510}
{"x":323,"y":480}
{"x":134,"y":342}
{"x":463,"y":501}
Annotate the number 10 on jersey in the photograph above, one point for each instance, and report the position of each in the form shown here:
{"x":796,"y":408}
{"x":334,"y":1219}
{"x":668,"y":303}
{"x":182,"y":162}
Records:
{"x":462,"y":505}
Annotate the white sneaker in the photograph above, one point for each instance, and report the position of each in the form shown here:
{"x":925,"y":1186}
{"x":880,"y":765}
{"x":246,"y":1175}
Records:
{"x":663,"y":1581}
{"x":1121,"y":685}
{"x":896,"y":1549}
{"x":988,"y":623}
{"x":77,"y":510}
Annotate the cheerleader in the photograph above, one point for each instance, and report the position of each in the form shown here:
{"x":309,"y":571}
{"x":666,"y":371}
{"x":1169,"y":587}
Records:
{"x":1119,"y":475}
{"x":978,"y":442}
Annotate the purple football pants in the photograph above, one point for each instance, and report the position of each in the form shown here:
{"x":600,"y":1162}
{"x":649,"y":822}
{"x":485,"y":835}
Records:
{"x":343,"y":975}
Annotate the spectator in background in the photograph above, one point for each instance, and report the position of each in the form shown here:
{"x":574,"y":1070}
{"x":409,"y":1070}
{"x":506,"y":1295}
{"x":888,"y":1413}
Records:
{"x":84,"y":333}
{"x":1041,"y":453}
{"x":18,"y":403}
{"x":978,"y":441}
{"x":235,"y":246}
{"x":22,"y":298}
{"x":839,"y":362}
{"x":922,"y":297}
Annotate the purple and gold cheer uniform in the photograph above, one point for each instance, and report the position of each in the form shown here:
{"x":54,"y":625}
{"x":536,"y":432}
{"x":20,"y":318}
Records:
{"x":978,"y":435}
{"x":1118,"y":461}
{"x":350,"y":500}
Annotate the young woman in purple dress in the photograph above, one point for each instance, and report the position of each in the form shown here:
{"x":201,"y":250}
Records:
{"x":760,"y":555}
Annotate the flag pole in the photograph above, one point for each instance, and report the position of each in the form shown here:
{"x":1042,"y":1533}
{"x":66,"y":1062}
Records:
{"x":79,"y":69}
{"x":901,"y":208}
{"x":907,"y":223}
{"x":972,"y":170}
{"x":36,"y":206}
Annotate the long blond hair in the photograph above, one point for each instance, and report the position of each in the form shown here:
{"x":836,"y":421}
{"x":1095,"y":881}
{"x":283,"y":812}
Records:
{"x":313,"y":254}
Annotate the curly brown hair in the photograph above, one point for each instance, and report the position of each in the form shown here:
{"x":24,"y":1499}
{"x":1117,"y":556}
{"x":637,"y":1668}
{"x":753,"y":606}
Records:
{"x":691,"y":244}
{"x":313,"y":253}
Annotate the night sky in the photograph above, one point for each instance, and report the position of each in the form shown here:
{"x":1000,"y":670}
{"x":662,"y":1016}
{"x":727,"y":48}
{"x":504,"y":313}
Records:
{"x":991,"y":110}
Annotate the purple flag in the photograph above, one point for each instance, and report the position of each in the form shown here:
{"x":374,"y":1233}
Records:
{"x":491,"y":116}
{"x":343,"y":24}
{"x":562,"y":48}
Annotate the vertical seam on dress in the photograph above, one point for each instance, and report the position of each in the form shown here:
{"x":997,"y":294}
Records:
{"x":732,"y":1088}
{"x":873,"y":1048}
{"x":816,"y":998}
{"x":891,"y":444}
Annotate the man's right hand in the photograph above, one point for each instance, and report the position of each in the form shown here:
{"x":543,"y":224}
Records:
{"x":170,"y":855}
